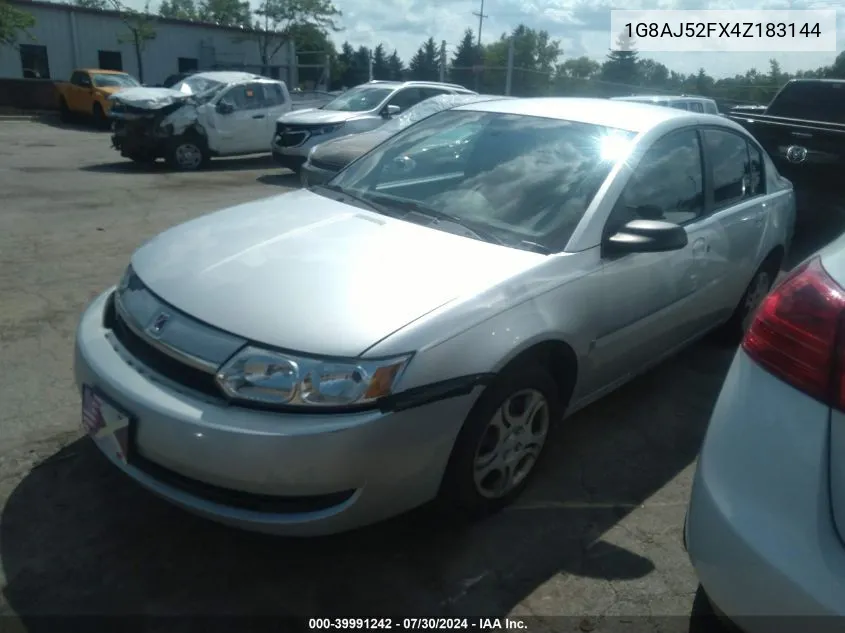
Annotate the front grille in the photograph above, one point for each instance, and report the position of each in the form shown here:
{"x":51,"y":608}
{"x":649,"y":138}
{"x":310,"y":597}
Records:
{"x":157,"y":360}
{"x":235,"y":498}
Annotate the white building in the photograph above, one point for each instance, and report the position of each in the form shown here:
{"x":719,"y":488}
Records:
{"x":68,"y":37}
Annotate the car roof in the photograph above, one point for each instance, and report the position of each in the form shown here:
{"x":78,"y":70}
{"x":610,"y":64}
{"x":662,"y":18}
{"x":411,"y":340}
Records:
{"x":230,"y":76}
{"x":103,"y":71}
{"x":624,"y":115}
{"x":650,"y":98}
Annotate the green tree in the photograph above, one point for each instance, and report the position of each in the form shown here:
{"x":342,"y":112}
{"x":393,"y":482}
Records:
{"x":621,"y":63}
{"x":424,"y":65}
{"x":313,"y":46}
{"x":276,"y":18}
{"x":14,"y":23}
{"x":178,"y":9}
{"x":346,"y":72}
{"x":361,"y":64}
{"x":466,"y":56}
{"x":225,"y":12}
{"x":381,"y":70}
{"x":140,"y":30}
{"x":396,"y":69}
{"x":92,"y":4}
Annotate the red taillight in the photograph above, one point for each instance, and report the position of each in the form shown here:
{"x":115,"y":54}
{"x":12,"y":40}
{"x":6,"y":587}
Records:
{"x":795,"y":333}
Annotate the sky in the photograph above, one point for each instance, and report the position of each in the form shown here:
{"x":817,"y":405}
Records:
{"x":581,"y":26}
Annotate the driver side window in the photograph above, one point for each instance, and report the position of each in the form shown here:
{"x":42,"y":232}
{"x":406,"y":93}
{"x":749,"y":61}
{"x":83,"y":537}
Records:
{"x":406,"y":98}
{"x":667,"y":184}
{"x":245,"y":97}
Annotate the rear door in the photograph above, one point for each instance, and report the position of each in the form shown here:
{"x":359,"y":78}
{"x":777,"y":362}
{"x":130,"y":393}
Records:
{"x":738,"y":203}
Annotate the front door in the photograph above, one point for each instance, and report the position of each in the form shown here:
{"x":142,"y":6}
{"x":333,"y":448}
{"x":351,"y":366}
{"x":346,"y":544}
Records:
{"x":242,"y":127}
{"x":650,"y":300}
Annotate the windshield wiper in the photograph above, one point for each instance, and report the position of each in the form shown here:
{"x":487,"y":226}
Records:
{"x":442,"y":216}
{"x":373,"y":206}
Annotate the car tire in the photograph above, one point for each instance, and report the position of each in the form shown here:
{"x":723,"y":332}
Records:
{"x":64,"y":111}
{"x":188,"y":153}
{"x":100,"y":119}
{"x":142,"y":159}
{"x":759,"y":286}
{"x":477,"y":482}
{"x":706,"y":616}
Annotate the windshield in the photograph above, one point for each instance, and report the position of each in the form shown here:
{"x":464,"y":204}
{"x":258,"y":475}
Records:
{"x":523,"y":181}
{"x":359,"y":99}
{"x":197,"y":85}
{"x":108,"y":80}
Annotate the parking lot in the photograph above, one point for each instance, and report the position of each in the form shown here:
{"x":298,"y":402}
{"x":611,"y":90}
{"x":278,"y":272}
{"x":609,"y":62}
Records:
{"x":597,"y":534}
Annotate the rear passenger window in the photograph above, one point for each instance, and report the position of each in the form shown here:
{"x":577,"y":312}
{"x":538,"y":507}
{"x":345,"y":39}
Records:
{"x":667,"y":183}
{"x":728,"y":154}
{"x":757,"y":176}
{"x":695,"y":106}
{"x":273,"y":95}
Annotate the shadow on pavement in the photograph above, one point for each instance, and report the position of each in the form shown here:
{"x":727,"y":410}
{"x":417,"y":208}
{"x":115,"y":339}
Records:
{"x":79,"y":123}
{"x":245,"y":163}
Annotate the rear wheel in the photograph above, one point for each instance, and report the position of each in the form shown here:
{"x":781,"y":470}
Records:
{"x":500,"y":442}
{"x":188,"y":153}
{"x":64,"y":110}
{"x":753,"y":296}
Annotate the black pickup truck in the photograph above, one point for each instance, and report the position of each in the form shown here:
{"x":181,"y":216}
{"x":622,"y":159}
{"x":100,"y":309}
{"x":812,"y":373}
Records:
{"x":803,"y":130}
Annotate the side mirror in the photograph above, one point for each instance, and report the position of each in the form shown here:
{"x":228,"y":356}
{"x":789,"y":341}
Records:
{"x":392,"y":110}
{"x":646,"y":236}
{"x":225,"y":108}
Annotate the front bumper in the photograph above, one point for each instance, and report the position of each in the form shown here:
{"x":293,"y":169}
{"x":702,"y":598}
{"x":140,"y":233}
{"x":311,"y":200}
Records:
{"x":281,"y":473}
{"x":759,"y":530}
{"x":136,"y":141}
{"x":288,"y":161}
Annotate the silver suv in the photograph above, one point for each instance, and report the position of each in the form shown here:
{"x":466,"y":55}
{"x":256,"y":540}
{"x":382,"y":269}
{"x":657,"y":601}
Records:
{"x":360,"y":109}
{"x":683,"y":102}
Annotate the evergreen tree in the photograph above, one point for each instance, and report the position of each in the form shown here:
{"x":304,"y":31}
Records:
{"x":466,"y":56}
{"x":621,"y":64}
{"x":395,"y":67}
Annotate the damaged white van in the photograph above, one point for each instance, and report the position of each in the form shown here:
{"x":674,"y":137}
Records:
{"x":205,"y":115}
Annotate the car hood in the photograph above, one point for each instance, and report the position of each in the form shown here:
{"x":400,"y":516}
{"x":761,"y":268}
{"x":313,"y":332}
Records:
{"x":339,"y":152}
{"x":317,"y":117}
{"x":305,"y":273}
{"x":148,"y":98}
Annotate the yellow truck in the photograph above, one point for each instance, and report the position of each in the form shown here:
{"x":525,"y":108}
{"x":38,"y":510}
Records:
{"x":88,"y":91}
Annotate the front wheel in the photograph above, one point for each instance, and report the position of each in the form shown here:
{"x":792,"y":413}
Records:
{"x":501,"y":442}
{"x":100,"y":119}
{"x":64,"y":111}
{"x":188,"y":154}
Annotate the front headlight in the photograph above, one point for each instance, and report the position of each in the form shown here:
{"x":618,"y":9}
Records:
{"x":272,"y":378}
{"x":327,"y":129}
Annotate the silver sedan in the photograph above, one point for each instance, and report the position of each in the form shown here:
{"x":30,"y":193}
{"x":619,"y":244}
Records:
{"x":411,"y":331}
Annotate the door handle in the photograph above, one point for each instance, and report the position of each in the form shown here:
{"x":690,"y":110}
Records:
{"x":699,"y":246}
{"x":257,"y":116}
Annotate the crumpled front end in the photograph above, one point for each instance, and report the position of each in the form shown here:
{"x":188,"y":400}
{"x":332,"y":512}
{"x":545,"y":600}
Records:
{"x":142,"y":133}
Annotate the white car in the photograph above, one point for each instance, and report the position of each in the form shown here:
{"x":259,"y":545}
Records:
{"x":765,"y":528}
{"x":204,"y":115}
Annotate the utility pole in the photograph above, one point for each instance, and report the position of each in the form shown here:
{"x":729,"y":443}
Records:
{"x":442,"y":61}
{"x":370,"y":66}
{"x":509,"y":76}
{"x":481,"y":17}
